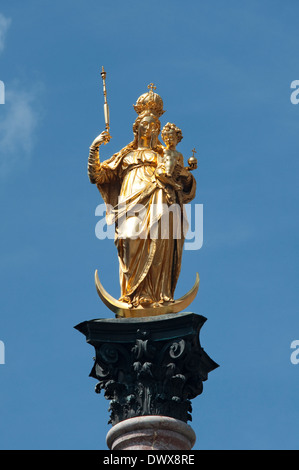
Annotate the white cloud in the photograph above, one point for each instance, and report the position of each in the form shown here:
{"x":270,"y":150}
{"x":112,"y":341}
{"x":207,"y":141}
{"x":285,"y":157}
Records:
{"x":18,"y":119}
{"x":18,"y":122}
{"x":4,"y":25}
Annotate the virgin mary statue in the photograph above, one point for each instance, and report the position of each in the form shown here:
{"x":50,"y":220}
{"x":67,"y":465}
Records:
{"x":148,"y":211}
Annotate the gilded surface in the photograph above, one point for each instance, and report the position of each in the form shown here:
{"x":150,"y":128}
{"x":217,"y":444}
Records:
{"x":142,"y":182}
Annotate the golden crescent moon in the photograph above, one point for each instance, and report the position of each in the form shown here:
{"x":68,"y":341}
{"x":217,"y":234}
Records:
{"x":122,"y":310}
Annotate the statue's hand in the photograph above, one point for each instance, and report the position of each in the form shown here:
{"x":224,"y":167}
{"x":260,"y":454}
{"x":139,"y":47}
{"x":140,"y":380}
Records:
{"x":103,"y":138}
{"x":192,"y":163}
{"x":161,"y":175}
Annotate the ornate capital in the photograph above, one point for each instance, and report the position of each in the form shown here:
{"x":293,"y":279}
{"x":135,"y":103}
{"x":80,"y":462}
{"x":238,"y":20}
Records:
{"x":149,"y":366}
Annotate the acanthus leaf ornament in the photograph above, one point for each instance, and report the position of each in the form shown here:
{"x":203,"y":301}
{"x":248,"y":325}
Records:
{"x":157,"y":370}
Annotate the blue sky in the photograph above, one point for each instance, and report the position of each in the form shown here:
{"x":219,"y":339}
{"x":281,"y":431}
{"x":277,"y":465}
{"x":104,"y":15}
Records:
{"x":224,"y":71}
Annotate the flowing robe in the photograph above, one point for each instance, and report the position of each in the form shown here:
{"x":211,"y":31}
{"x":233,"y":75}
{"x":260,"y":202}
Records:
{"x":150,"y":224}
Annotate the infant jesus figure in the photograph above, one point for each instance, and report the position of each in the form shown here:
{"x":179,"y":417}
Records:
{"x":171,"y":163}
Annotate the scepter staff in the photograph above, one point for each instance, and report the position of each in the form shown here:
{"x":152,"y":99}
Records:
{"x":103,"y":138}
{"x":106,"y":107}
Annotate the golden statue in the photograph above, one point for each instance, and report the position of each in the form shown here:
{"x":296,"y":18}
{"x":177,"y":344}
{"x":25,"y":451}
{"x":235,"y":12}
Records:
{"x":141,"y":183}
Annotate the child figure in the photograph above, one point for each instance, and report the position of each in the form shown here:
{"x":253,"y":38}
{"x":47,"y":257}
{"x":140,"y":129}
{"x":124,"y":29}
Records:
{"x":172,"y":162}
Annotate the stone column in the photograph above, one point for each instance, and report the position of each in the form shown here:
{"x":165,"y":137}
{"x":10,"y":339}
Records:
{"x":150,"y":369}
{"x":151,"y":433}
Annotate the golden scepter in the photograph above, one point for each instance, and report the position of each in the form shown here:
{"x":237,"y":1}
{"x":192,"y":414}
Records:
{"x":106,"y":107}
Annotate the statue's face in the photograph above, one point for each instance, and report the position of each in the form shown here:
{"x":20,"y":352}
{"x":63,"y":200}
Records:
{"x":170,"y":138}
{"x":148,"y":127}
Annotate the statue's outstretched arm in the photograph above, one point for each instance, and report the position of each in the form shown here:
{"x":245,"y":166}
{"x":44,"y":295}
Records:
{"x":93,"y":166}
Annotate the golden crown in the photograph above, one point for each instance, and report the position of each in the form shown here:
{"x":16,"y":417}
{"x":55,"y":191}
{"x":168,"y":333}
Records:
{"x":150,"y":101}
